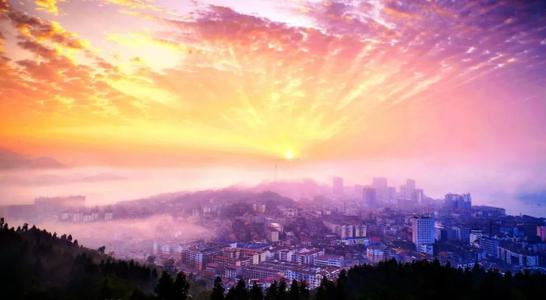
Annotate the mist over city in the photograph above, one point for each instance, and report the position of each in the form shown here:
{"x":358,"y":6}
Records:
{"x":272,"y":150}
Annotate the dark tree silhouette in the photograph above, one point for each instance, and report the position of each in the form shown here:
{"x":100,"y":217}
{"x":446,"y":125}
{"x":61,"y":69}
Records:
{"x":272,"y":291}
{"x":165,"y":287}
{"x":294,"y":291}
{"x":218,"y":290}
{"x":256,"y":292}
{"x":304,"y":291}
{"x":181,"y":286}
{"x":238,"y":292}
{"x":106,"y":291}
{"x":282,"y":293}
{"x":341,"y":285}
{"x":326,"y":290}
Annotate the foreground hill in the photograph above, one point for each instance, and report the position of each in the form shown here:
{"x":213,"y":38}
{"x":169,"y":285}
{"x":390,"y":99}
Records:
{"x":36,"y":264}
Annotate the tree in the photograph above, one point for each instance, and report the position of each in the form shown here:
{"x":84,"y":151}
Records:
{"x":341,"y":285}
{"x":181,"y":286}
{"x":294,"y":291}
{"x":238,"y":292}
{"x":272,"y":291}
{"x":218,"y":290}
{"x":242,"y":291}
{"x":165,"y":287}
{"x":256,"y":292}
{"x":304,"y":291}
{"x":106,"y":291}
{"x":138,"y":295}
{"x":326,"y":290}
{"x":282,"y":293}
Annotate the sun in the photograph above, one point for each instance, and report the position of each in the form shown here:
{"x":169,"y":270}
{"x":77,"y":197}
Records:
{"x":289,"y":155}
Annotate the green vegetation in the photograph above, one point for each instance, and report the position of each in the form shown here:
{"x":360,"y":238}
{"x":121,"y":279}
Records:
{"x":36,"y":264}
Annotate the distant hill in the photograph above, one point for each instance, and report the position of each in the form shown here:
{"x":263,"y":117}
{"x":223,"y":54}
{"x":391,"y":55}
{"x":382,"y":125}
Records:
{"x":295,"y":189}
{"x":173,"y":203}
{"x":12,"y":160}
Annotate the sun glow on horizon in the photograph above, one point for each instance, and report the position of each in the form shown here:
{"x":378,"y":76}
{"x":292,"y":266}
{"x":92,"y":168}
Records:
{"x":218,"y":81}
{"x":289,"y":155}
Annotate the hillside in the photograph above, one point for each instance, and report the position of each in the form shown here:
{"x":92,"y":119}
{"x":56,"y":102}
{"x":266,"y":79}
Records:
{"x":39,"y":265}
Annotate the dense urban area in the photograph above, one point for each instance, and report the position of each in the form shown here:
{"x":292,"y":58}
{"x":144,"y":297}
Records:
{"x":262,"y":237}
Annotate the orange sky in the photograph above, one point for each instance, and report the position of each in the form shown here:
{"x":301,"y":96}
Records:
{"x":123,"y":82}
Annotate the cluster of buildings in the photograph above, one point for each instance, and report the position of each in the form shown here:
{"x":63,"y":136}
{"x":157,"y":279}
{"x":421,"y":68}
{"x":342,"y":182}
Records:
{"x":266,"y":237}
{"x":43,"y":208}
{"x":401,"y":224}
{"x":71,"y":209}
{"x":260,"y":262}
{"x":379,"y":194}
{"x":85,"y":215}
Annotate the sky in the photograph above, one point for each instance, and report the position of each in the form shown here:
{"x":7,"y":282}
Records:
{"x":449,"y":92}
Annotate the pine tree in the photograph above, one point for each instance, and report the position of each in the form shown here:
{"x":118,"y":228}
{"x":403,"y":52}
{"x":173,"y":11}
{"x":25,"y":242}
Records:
{"x":106,"y":291}
{"x":181,"y":286}
{"x":242,"y":291}
{"x":238,"y":292}
{"x":217,"y":290}
{"x":294,"y":291}
{"x":304,"y":291}
{"x":272,"y":291}
{"x":327,"y":290}
{"x":256,"y":292}
{"x":282,"y":293}
{"x":165,"y":287}
{"x":341,"y":285}
{"x":138,"y":295}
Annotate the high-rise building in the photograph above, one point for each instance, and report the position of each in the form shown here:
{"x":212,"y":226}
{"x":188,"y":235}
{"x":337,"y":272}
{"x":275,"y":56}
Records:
{"x":358,"y":190}
{"x":458,"y":203}
{"x":379,"y":183}
{"x":369,"y":198}
{"x":337,"y":187}
{"x":422,"y":233}
{"x":382,"y":192}
{"x":408,"y":191}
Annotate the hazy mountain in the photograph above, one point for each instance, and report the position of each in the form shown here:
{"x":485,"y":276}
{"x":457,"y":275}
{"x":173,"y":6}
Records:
{"x":180,"y":201}
{"x":300,"y":189}
{"x":12,"y":160}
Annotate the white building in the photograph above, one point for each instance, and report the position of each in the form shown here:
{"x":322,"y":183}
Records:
{"x":422,"y":233}
{"x":330,"y":261}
